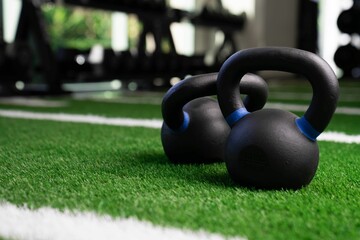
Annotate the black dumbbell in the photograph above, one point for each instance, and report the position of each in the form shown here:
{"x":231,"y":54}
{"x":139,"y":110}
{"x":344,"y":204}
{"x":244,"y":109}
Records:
{"x":347,"y":58}
{"x":349,"y":21}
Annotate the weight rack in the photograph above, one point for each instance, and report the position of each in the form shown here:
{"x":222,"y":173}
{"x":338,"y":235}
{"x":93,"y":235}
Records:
{"x":347,"y":57}
{"x":44,"y":71}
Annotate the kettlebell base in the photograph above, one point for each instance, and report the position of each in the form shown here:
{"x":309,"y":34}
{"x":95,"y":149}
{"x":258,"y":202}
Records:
{"x":204,"y":139}
{"x":266,"y":150}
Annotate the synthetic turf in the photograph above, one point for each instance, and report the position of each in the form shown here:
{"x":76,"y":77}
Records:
{"x":342,"y":123}
{"x":99,"y":108}
{"x":22,"y":223}
{"x":147,"y":123}
{"x":123,"y":172}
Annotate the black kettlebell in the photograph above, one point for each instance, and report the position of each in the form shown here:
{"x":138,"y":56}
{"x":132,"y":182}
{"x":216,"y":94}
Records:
{"x":272,"y":148}
{"x":194,"y":130}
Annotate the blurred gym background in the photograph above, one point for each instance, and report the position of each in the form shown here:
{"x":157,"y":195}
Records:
{"x":50,"y":47}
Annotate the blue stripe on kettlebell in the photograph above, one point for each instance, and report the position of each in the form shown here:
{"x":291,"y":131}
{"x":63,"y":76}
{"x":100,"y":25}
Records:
{"x":185,"y":123}
{"x":306,"y":128}
{"x":236,"y":116}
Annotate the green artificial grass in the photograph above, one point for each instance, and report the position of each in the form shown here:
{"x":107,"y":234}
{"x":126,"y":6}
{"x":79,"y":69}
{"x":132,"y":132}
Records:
{"x":109,"y":109}
{"x":124,"y":172}
{"x":339,"y":122}
{"x":301,"y":86}
{"x":351,"y":104}
{"x":348,"y":124}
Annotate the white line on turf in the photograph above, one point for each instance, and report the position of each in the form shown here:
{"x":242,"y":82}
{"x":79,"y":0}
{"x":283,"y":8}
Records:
{"x":32,"y":102}
{"x":92,"y":119}
{"x":307,"y":96}
{"x":303,"y":108}
{"x":148,"y":123}
{"x":284,"y":106}
{"x":339,"y":137}
{"x":47,"y":223}
{"x":123,"y":99}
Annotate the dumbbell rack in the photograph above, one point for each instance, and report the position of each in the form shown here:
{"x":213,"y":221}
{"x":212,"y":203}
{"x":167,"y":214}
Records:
{"x":156,"y":18}
{"x":347,"y":57}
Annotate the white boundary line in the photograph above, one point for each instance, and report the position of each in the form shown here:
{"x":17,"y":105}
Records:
{"x":303,"y":108}
{"x":339,"y":137}
{"x":92,"y":119}
{"x":147,"y":123}
{"x":32,"y":102}
{"x":307,"y":96}
{"x":47,"y":223}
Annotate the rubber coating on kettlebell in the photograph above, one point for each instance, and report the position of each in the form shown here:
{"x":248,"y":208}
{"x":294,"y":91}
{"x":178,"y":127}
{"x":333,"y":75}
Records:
{"x":205,"y":85}
{"x":305,"y":128}
{"x":265,"y":150}
{"x":236,"y":116}
{"x":194,"y":129}
{"x":273,"y":148}
{"x":320,"y":75}
{"x":185,"y":123}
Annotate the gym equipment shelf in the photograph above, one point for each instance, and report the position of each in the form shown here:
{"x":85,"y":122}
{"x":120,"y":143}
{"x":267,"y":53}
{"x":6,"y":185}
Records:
{"x":59,"y":67}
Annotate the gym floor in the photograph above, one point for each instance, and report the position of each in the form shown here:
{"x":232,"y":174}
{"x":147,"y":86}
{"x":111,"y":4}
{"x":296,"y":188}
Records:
{"x":101,"y":153}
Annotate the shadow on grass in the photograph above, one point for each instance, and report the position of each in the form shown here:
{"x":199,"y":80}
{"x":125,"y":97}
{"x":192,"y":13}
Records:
{"x":214,"y":173}
{"x":153,"y":164}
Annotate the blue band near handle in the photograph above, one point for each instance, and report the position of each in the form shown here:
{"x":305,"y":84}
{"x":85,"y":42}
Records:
{"x":236,"y":116}
{"x":306,"y":128}
{"x":185,"y":123}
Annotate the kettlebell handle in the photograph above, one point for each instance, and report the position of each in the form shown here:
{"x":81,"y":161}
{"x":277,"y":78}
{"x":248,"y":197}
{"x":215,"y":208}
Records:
{"x":320,"y":75}
{"x":205,"y":85}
